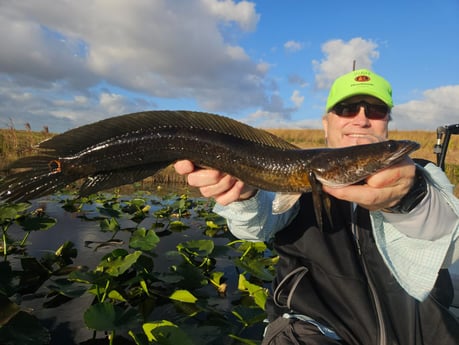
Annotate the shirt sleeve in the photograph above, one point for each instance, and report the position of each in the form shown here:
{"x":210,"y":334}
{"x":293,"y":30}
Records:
{"x":416,"y":245}
{"x":253,"y":219}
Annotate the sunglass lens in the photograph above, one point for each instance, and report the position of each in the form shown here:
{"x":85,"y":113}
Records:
{"x":372,"y":111}
{"x":375,"y":111}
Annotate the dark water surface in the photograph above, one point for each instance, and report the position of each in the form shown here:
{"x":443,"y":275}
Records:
{"x":65,"y":321}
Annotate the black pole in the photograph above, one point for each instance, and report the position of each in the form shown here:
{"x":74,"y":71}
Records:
{"x":440,"y":148}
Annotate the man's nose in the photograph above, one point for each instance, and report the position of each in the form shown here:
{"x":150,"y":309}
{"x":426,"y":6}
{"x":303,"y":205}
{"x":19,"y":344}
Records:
{"x":360,"y":117}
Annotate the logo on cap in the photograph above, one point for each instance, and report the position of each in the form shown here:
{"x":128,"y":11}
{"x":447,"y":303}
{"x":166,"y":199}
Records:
{"x":362,"y":78}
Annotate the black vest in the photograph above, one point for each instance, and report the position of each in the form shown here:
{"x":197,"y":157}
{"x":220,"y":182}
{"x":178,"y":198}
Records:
{"x":346,"y":285}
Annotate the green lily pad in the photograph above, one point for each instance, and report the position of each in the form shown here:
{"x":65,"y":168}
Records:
{"x":143,"y":239}
{"x":117,"y":265}
{"x":183,"y":296}
{"x":8,"y":309}
{"x":166,"y":333}
{"x":37,"y":223}
{"x":24,"y":329}
{"x":109,"y":317}
{"x":10,"y":212}
{"x":197,"y":247}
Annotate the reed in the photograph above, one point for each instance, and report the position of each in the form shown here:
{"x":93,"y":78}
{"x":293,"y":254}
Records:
{"x":309,"y":138}
{"x":18,"y":143}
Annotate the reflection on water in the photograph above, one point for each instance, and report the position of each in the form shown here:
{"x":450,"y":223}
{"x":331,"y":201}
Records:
{"x":81,"y":230}
{"x":65,"y":321}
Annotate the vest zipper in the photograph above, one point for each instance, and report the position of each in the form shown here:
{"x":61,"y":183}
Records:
{"x":377,"y":303}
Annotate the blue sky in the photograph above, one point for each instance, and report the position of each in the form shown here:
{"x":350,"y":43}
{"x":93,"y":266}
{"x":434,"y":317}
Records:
{"x":268,"y":63}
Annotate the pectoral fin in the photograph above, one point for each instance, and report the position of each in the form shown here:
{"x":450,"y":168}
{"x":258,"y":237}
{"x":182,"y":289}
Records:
{"x":115,"y":178}
{"x":284,"y":201}
{"x":320,"y":199}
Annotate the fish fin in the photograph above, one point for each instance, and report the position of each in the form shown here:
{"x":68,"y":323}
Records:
{"x":111,"y":179}
{"x":40,"y":178}
{"x":327,"y":206}
{"x":80,"y":138}
{"x":317,"y":200}
{"x":284,"y":201}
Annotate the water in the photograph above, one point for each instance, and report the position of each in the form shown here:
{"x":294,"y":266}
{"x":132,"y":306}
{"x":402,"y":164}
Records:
{"x":65,"y":321}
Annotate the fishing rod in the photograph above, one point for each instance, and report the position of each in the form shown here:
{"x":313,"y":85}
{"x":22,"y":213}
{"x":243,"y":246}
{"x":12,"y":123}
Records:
{"x":441,"y":147}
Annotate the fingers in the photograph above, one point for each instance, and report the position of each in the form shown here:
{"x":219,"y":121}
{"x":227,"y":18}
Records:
{"x":215,"y":184}
{"x":184,"y":167}
{"x":211,"y":183}
{"x":224,"y":188}
{"x":232,"y":194}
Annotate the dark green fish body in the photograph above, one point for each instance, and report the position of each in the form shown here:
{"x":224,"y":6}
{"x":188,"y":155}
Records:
{"x":128,"y":148}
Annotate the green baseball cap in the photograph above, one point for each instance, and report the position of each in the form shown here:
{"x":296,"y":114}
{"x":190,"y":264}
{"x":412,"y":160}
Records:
{"x":360,"y":82}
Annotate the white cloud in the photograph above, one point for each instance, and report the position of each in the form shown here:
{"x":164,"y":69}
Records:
{"x":164,"y":49}
{"x":339,"y":58}
{"x":437,"y":107}
{"x":274,"y":113}
{"x":57,"y":54}
{"x":237,"y":53}
{"x":113,"y":103}
{"x":293,"y":46}
{"x":242,"y":12}
{"x":297,"y":98}
{"x":297,"y":80}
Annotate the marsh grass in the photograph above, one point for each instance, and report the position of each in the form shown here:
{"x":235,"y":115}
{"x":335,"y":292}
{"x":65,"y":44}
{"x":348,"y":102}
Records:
{"x":18,"y":143}
{"x":309,"y":138}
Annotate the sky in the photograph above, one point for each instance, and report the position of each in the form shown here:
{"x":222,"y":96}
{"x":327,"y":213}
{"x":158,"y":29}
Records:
{"x":267,"y":63}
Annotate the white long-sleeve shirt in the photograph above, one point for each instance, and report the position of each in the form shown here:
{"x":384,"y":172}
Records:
{"x":414,"y":246}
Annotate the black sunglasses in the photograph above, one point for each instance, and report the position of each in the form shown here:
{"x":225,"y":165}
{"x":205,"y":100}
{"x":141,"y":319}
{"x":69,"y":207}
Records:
{"x":372,"y":111}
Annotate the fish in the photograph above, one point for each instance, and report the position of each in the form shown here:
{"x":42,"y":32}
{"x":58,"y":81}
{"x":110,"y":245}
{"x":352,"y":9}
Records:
{"x":127,"y":148}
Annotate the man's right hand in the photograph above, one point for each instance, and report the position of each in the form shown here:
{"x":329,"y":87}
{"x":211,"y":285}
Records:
{"x":212,"y":183}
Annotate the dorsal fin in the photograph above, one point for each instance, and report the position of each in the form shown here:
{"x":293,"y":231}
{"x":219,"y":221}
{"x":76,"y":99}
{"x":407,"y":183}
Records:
{"x":78,"y":139}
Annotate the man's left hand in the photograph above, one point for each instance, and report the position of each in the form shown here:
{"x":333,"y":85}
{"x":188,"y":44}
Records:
{"x":382,"y":190}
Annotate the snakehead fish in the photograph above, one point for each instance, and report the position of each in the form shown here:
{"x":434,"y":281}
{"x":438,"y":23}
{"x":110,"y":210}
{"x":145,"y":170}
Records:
{"x":125,"y":149}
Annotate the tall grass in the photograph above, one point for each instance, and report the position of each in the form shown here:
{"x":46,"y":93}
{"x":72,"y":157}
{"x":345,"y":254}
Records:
{"x":309,"y":138}
{"x":18,"y":143}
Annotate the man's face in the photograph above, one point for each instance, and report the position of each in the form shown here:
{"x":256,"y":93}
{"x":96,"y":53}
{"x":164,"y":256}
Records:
{"x":341,"y":131}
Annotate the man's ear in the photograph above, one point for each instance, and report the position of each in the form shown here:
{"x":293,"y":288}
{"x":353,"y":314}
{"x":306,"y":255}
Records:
{"x":325,"y":125}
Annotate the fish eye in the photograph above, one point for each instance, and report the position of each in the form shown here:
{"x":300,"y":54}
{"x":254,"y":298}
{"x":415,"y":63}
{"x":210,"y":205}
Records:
{"x":392,"y":145}
{"x":54,"y":166}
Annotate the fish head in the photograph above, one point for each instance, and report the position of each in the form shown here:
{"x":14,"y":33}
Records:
{"x":345,"y":166}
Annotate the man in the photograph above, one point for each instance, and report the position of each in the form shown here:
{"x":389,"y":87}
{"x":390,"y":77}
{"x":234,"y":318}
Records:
{"x":374,"y":276}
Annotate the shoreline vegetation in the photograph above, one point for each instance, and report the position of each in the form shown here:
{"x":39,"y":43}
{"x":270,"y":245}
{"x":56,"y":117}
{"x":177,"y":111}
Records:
{"x":16,"y":143}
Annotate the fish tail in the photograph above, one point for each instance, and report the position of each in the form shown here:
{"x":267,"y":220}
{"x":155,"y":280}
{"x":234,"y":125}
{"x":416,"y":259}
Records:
{"x":39,"y":176}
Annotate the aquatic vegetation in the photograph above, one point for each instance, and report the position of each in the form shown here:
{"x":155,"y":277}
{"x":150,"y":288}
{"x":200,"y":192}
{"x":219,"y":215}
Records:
{"x":208,"y":288}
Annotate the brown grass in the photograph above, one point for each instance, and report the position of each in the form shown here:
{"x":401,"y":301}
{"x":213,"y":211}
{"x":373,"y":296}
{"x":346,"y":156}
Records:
{"x":309,"y":138}
{"x":17,"y":143}
{"x":315,"y":138}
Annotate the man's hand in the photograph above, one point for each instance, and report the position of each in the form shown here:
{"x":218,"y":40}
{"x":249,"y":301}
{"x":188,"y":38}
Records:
{"x":212,"y":183}
{"x":382,"y":190}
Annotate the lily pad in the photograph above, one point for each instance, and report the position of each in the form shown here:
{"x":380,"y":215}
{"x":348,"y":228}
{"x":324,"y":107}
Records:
{"x":183,"y":296}
{"x":24,"y":329}
{"x":117,"y":265}
{"x":166,"y":333}
{"x":109,"y":317}
{"x":143,"y":239}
